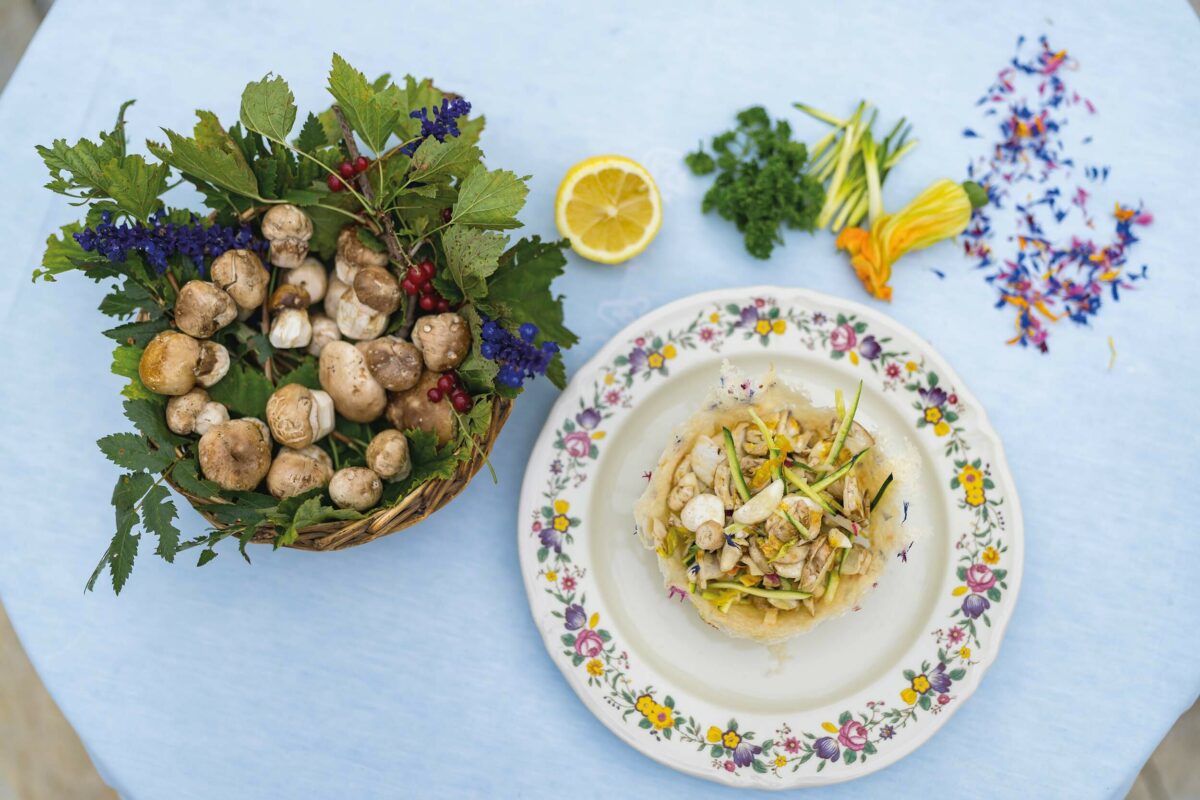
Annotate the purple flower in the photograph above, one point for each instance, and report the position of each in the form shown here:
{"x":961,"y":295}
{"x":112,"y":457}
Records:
{"x":887,"y":732}
{"x":576,"y":616}
{"x":744,"y":753}
{"x":980,"y":578}
{"x":162,"y":239}
{"x":518,"y":357}
{"x":818,"y":318}
{"x":826,"y":747}
{"x":869,"y":348}
{"x":749,"y":317}
{"x":637,"y":359}
{"x":933,"y":397}
{"x":551,"y":538}
{"x":974,"y":605}
{"x":588,"y":418}
{"x":939,"y":681}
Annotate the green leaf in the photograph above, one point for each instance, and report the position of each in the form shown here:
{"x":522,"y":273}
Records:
{"x":187,"y":474}
{"x":135,"y":184}
{"x":371,"y":112}
{"x":130,"y":488}
{"x":311,"y":512}
{"x":129,"y":299}
{"x":436,"y":160}
{"x":137,"y":334}
{"x":306,"y":373}
{"x":125,"y":360}
{"x":490,"y":199}
{"x":212,"y":164}
{"x":206,"y":555}
{"x":472,"y":255}
{"x":64,"y":254}
{"x":132,"y":452}
{"x":477,"y":373}
{"x":157,"y":513}
{"x":243,"y":390}
{"x":269,"y":108}
{"x":149,"y":417}
{"x":312,"y":135}
{"x":123,"y":549}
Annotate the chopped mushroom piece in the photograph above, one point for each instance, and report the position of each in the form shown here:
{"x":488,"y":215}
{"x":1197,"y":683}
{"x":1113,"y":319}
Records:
{"x":355,"y":487}
{"x":235,"y":455}
{"x":710,"y":535}
{"x":213,"y":363}
{"x":202,"y":309}
{"x":183,"y":409}
{"x":288,"y":229}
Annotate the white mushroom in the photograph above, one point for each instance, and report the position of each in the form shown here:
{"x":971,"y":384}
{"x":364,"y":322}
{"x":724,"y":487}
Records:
{"x":212,"y":414}
{"x":291,"y":328}
{"x":395,"y":363}
{"x":299,"y":416}
{"x":333,"y":295}
{"x":296,"y":471}
{"x":413,"y":409}
{"x":241,"y":274}
{"x":388,"y":455}
{"x":705,"y":458}
{"x":183,"y":409}
{"x":168,"y":364}
{"x":213,"y":363}
{"x":357,"y":320}
{"x":377,"y":288}
{"x":262,"y":427}
{"x":202,"y":309}
{"x":235,"y":455}
{"x":288,"y":229}
{"x":730,"y":555}
{"x":444,"y":341}
{"x":700,"y":509}
{"x":356,"y":394}
{"x":710,"y":535}
{"x":759,"y":507}
{"x":310,"y":276}
{"x":355,"y":487}
{"x":352,"y":255}
{"x":324,"y":331}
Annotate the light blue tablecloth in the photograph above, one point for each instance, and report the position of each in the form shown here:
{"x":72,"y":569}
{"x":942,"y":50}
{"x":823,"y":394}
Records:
{"x":358,"y":674}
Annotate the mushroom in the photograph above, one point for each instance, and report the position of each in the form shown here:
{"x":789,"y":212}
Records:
{"x":235,"y":455}
{"x":311,"y":276}
{"x":288,"y":229}
{"x":290,"y":326}
{"x":324,"y":331}
{"x":296,"y":471}
{"x":388,"y":455}
{"x":353,"y":255}
{"x":168,"y":364}
{"x":290,"y":295}
{"x":762,"y":505}
{"x":333,"y":295}
{"x":701,"y":509}
{"x":395,"y":363}
{"x":262,"y":427}
{"x":355,"y":487}
{"x":183,"y":409}
{"x":377,"y":288}
{"x":202,"y":309}
{"x":356,"y":320}
{"x":356,"y":394}
{"x":213,"y":363}
{"x":413,"y":409}
{"x":241,"y":274}
{"x":710,"y":535}
{"x":299,"y":416}
{"x":212,"y":414}
{"x":444,"y":340}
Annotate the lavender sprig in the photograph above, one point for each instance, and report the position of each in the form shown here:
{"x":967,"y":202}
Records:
{"x":443,"y":124}
{"x":162,"y":239}
{"x":518,"y":358}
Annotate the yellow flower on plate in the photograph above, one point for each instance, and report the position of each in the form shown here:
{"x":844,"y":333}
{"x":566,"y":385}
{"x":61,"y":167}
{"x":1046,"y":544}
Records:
{"x":714,"y":733}
{"x":609,"y":379}
{"x":655,"y":360}
{"x":669,"y":351}
{"x":561,"y":506}
{"x":921,"y":684}
{"x":829,"y":726}
{"x":598,"y":435}
{"x":910,"y":366}
{"x":561,"y":523}
{"x":714,"y":317}
{"x":964,"y":652}
{"x":595,"y":668}
{"x":552,"y":576}
{"x":595,"y":620}
{"x":731,"y":739}
{"x":970,"y":477}
{"x":781,"y":761}
{"x":778,"y":326}
{"x":959,"y":591}
{"x":942,"y":428}
{"x":660,"y":717}
{"x":762,"y":327}
{"x":644,"y":704}
{"x":933,"y":415}
{"x":908,"y":696}
{"x":854,"y":357}
{"x":991,"y":556}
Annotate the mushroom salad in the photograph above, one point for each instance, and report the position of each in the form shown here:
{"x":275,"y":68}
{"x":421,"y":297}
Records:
{"x":771,"y":514}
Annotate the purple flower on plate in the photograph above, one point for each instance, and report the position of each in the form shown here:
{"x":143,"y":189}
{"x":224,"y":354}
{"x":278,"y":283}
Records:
{"x":869,"y":348}
{"x":744,"y":753}
{"x":827,"y":747}
{"x":887,"y":732}
{"x":749,"y":317}
{"x":933,"y":397}
{"x":939,"y":681}
{"x":818,"y":318}
{"x":552,"y":538}
{"x":974,"y":605}
{"x":588,"y":418}
{"x":575,"y":616}
{"x":980,"y":578}
{"x":637,"y":359}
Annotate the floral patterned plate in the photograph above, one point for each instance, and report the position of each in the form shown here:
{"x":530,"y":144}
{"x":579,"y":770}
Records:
{"x":848,"y":698}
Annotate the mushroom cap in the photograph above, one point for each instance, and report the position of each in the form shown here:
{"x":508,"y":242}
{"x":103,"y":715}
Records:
{"x":241,"y":274}
{"x":168,"y":364}
{"x":356,"y":394}
{"x":289,"y":295}
{"x":202,"y":309}
{"x":296,"y":471}
{"x":355,"y":487}
{"x":395,"y":363}
{"x":213,"y":363}
{"x":333,"y":295}
{"x":356,"y":254}
{"x":312,"y":276}
{"x":443,"y":339}
{"x":213,"y":413}
{"x":413,"y":409}
{"x":324,"y":331}
{"x":292,"y":415}
{"x":358,"y":321}
{"x":183,"y":409}
{"x":377,"y":288}
{"x":290,"y":328}
{"x":262,"y":427}
{"x":388,"y":456}
{"x":235,"y":455}
{"x":288,"y":229}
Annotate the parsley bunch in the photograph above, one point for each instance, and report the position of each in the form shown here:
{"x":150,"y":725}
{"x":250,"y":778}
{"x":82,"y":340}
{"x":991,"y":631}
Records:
{"x":761,"y":182}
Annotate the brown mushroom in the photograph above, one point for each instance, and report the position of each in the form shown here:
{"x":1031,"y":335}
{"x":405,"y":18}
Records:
{"x":202,"y":309}
{"x":212,"y":365}
{"x":288,"y":229}
{"x":444,"y":340}
{"x":355,"y":487}
{"x":358,"y":321}
{"x":356,"y":394}
{"x":299,"y":416}
{"x":289,"y":295}
{"x":395,"y":363}
{"x":377,"y":288}
{"x":353,"y":255}
{"x":296,"y":471}
{"x":235,"y":455}
{"x":388,"y":455}
{"x":183,"y":409}
{"x":168,"y":364}
{"x":413,"y":409}
{"x":241,"y":274}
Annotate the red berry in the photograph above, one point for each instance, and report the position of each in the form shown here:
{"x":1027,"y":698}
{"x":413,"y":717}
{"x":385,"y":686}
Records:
{"x":428,"y":303}
{"x":447,"y":215}
{"x":434,"y":395}
{"x":346,"y":169}
{"x":461,"y":402}
{"x":446,"y":382}
{"x":361,"y":164}
{"x":409,"y":287}
{"x":334,"y":183}
{"x":427,"y":269}
{"x":416,"y":276}
{"x":443,"y":305}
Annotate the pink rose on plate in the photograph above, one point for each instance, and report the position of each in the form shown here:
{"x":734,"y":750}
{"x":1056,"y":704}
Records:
{"x":980,"y":578}
{"x":578,"y":443}
{"x":588,"y":643}
{"x":853,"y":735}
{"x":843,"y":338}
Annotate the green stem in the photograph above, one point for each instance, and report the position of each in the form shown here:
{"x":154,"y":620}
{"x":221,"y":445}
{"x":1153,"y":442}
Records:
{"x":800,"y":484}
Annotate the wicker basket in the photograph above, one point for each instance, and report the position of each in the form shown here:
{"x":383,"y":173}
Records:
{"x":416,"y":506}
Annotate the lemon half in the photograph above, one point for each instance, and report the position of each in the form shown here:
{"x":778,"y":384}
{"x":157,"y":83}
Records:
{"x":609,"y":207}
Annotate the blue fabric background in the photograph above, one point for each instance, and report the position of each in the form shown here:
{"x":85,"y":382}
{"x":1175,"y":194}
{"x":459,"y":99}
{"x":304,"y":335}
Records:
{"x":410,"y":667}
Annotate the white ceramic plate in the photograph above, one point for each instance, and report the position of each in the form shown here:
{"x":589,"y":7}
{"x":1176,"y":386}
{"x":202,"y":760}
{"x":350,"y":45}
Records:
{"x":859,"y":692}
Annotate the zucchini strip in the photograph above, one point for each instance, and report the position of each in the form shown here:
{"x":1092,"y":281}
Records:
{"x":799,"y":483}
{"x":735,"y":468}
{"x":840,"y":441}
{"x":839,"y":472}
{"x":772,"y":450}
{"x":778,"y":594}
{"x":879,"y":494}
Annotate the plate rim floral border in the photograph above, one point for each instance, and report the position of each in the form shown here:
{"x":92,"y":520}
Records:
{"x":849,"y":739}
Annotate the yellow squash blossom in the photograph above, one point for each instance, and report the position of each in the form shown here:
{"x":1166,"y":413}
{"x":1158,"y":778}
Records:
{"x":940,"y":212}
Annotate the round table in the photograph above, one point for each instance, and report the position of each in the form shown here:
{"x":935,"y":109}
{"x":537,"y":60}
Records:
{"x":410,"y":666}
